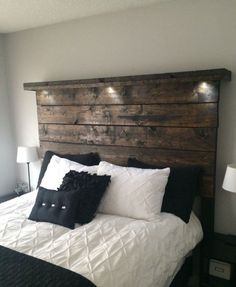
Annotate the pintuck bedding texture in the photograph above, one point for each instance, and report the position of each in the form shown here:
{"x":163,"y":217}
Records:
{"x":111,"y":250}
{"x":181,"y":188}
{"x":133,"y":192}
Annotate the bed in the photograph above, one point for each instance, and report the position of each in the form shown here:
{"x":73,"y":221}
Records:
{"x":165,"y":119}
{"x":117,"y":248}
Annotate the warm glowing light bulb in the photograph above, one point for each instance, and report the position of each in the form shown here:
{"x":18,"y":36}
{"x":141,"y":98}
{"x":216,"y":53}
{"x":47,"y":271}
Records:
{"x":204,"y":85}
{"x":204,"y":88}
{"x":110,"y":90}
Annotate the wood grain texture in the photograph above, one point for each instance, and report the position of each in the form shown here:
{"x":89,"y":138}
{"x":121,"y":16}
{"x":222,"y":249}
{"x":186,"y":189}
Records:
{"x":180,"y":77}
{"x":163,"y":119}
{"x":175,"y":115}
{"x":166,"y":119}
{"x":119,"y":155}
{"x":190,"y":92}
{"x":199,"y":139}
{"x":171,"y":158}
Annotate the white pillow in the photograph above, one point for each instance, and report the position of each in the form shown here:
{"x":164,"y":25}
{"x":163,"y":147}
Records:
{"x":133,"y":192}
{"x":58,"y":167}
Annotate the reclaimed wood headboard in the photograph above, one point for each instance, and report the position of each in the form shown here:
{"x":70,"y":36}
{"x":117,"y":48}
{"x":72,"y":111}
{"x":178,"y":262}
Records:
{"x":165,"y":119}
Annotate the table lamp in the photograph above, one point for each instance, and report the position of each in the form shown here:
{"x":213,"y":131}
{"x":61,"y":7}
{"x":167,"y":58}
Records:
{"x":27,"y":155}
{"x":229,"y":184}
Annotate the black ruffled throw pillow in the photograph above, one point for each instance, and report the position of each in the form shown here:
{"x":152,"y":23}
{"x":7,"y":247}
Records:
{"x":89,"y":188}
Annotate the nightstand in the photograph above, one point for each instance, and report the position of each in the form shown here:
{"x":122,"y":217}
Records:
{"x":219,"y":255}
{"x":7,"y":197}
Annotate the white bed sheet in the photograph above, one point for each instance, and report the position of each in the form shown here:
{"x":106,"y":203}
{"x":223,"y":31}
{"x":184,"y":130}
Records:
{"x":110,"y":251}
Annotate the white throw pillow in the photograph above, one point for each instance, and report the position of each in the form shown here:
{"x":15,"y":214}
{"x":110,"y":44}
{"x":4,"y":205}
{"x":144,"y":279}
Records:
{"x":133,"y":192}
{"x":57,"y":169}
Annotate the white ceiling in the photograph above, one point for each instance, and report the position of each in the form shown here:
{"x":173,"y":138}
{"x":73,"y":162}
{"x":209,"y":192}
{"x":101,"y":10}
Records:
{"x":16,"y":15}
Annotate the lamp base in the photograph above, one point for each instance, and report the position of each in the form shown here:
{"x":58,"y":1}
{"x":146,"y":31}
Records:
{"x":28,"y":168}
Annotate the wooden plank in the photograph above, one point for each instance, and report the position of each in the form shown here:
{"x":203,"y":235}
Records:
{"x":178,"y":115}
{"x":207,"y":186}
{"x":190,"y":92}
{"x":119,"y":155}
{"x":200,"y":139}
{"x":204,"y":75}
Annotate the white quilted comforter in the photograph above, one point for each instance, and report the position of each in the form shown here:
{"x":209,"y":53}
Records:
{"x":110,"y":251}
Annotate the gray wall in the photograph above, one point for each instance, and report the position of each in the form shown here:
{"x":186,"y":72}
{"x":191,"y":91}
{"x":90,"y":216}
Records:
{"x":173,"y":36}
{"x":7,"y":146}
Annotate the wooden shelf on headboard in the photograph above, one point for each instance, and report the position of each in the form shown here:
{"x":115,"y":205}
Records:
{"x":203,"y":75}
{"x":165,"y":119}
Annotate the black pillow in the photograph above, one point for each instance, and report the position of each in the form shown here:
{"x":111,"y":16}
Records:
{"x":55,"y":207}
{"x":90,"y":189}
{"x":180,"y":191}
{"x":86,"y":159}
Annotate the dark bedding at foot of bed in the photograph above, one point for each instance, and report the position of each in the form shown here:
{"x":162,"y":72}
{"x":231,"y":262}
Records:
{"x":20,"y":270}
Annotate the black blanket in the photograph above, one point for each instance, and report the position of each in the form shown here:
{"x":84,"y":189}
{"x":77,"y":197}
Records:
{"x":20,"y":270}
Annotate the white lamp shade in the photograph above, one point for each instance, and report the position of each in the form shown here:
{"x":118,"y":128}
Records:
{"x":229,"y":183}
{"x":26,"y":154}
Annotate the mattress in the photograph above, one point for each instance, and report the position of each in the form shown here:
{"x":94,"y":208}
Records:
{"x":109,"y":251}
